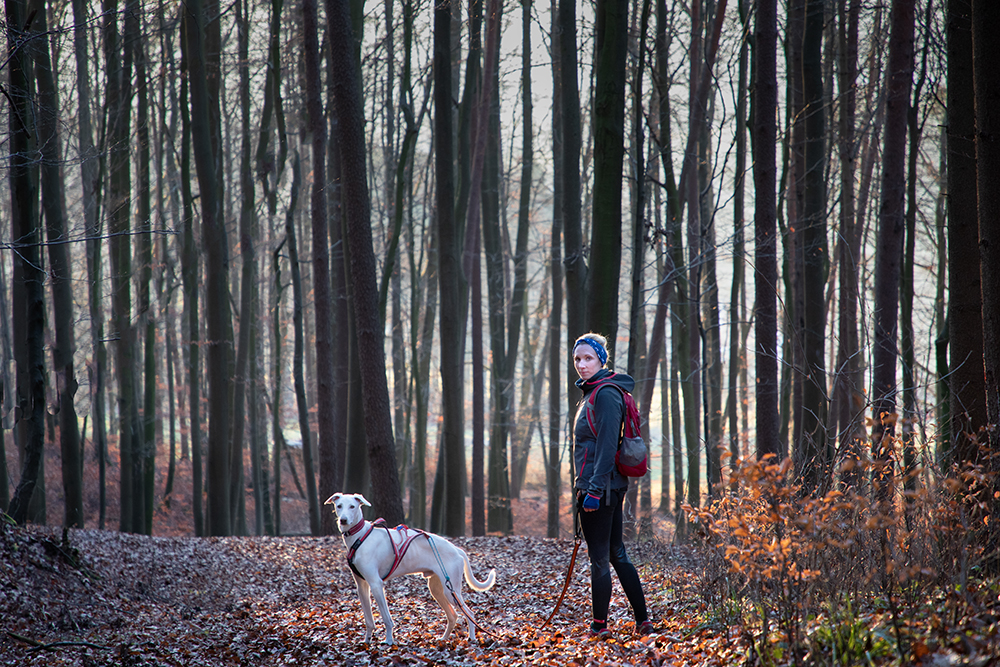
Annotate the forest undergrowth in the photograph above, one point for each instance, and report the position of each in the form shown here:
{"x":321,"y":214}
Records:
{"x":836,"y":578}
{"x":769,"y":576}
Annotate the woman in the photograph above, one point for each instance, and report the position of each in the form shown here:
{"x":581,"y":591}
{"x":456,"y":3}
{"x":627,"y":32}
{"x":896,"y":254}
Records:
{"x":600,"y":488}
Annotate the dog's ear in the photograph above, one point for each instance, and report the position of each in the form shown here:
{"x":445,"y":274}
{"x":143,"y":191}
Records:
{"x":333,"y":499}
{"x":362,"y":499}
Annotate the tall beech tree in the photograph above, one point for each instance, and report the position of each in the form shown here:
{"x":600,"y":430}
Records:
{"x":357,"y":209}
{"x":53,"y":197}
{"x":967,"y":373}
{"x":889,"y":248}
{"x":201,"y":34}
{"x":765,"y":226}
{"x":28,"y":302}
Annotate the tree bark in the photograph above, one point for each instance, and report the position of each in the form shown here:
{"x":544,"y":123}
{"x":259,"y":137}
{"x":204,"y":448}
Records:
{"x":29,"y":307}
{"x":986,"y":69}
{"x":556,"y":355}
{"x":322,"y":299}
{"x":812,"y":448}
{"x":204,"y":133}
{"x":54,"y":206}
{"x":967,"y":372}
{"x":378,"y":423}
{"x":765,"y":104}
{"x":611,"y":35}
{"x":889,"y":248}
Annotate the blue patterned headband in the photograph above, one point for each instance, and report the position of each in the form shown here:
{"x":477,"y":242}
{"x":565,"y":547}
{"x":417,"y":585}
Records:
{"x":602,"y":354}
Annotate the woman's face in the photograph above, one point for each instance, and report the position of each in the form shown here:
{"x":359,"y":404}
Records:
{"x":585,"y":361}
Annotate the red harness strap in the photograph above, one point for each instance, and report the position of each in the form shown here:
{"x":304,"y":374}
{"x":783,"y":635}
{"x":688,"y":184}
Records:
{"x":407,"y":536}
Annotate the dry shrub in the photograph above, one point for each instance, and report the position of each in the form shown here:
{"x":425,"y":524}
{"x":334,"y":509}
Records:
{"x":789,"y":562}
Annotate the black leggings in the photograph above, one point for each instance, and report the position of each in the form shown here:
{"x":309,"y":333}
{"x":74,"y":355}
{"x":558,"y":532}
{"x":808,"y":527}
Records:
{"x":602,"y":529}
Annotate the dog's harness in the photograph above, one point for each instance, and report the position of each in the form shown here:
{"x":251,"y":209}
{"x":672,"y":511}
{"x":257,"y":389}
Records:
{"x":398,"y":550}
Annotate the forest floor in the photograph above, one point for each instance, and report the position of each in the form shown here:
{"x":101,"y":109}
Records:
{"x":108,"y":598}
{"x":91,"y":597}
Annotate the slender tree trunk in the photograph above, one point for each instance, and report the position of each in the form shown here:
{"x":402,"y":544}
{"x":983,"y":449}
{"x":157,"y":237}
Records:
{"x":908,"y":424}
{"x":326,"y":426}
{"x":119,"y":194}
{"x":813,"y":459}
{"x":739,"y":224}
{"x":29,"y":306}
{"x":765,"y":227}
{"x":341,"y":306}
{"x":378,"y":423}
{"x":243,"y":391}
{"x":54,"y":205}
{"x":89,"y":185}
{"x":556,"y":356}
{"x":449,"y":277}
{"x":848,"y":397}
{"x":192,"y":292}
{"x":609,"y":147}
{"x":986,"y":68}
{"x":575,"y":267}
{"x":967,"y":372}
{"x":145,"y":487}
{"x":201,"y":34}
{"x":985,"y":22}
{"x":889,"y":249}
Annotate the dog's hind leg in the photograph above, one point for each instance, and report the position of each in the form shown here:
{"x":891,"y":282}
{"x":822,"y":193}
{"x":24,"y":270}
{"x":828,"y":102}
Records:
{"x":437,"y":590}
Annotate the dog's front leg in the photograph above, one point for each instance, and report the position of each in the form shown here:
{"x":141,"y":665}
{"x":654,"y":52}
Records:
{"x":365,"y":595}
{"x":378,"y":590}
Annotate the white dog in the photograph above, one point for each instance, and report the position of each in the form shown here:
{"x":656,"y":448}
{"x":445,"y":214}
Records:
{"x":377,"y":553}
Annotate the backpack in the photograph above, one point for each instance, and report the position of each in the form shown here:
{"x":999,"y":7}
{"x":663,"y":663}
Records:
{"x":631,"y":457}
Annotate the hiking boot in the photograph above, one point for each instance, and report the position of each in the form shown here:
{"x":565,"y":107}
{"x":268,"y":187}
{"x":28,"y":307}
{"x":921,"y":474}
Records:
{"x":645,"y":628}
{"x":600,"y":630}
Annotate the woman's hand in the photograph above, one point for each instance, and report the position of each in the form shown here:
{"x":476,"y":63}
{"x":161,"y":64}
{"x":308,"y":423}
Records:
{"x":591,"y":503}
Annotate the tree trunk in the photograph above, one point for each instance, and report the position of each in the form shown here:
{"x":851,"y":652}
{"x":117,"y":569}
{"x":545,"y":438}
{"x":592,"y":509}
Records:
{"x":764,"y":130}
{"x":242,"y":402}
{"x":201,"y":34}
{"x":336,"y":458}
{"x":556,"y":356}
{"x":54,"y":205}
{"x":813,"y":458}
{"x":378,"y":423}
{"x":145,"y":487}
{"x":29,"y":306}
{"x":611,"y":35}
{"x":190,"y":271}
{"x":119,"y":197}
{"x":449,"y":278}
{"x":848,"y":397}
{"x":89,"y":185}
{"x":575,"y":267}
{"x":325,"y":426}
{"x":968,"y":388}
{"x":889,"y":248}
{"x":986,"y":66}
{"x":736,"y":357}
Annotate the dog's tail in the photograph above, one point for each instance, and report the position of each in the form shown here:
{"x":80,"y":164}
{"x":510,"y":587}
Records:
{"x":474,"y":583}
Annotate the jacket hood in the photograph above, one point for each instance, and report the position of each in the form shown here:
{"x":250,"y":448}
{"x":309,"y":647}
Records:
{"x":623,"y":380}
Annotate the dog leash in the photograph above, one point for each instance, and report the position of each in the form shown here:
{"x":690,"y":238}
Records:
{"x":578,"y":540}
{"x":447,"y":582}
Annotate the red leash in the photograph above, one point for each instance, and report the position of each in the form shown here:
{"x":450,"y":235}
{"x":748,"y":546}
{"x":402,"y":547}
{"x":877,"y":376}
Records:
{"x":569,"y":574}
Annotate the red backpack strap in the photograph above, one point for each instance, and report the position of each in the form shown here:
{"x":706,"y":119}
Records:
{"x":592,"y":398}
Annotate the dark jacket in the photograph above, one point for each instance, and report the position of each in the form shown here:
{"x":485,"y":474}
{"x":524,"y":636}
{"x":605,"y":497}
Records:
{"x":594,"y":457}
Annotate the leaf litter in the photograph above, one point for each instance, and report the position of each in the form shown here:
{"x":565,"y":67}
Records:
{"x":96,"y":598}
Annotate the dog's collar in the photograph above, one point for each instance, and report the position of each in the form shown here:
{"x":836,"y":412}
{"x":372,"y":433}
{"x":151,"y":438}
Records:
{"x":356,"y":528}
